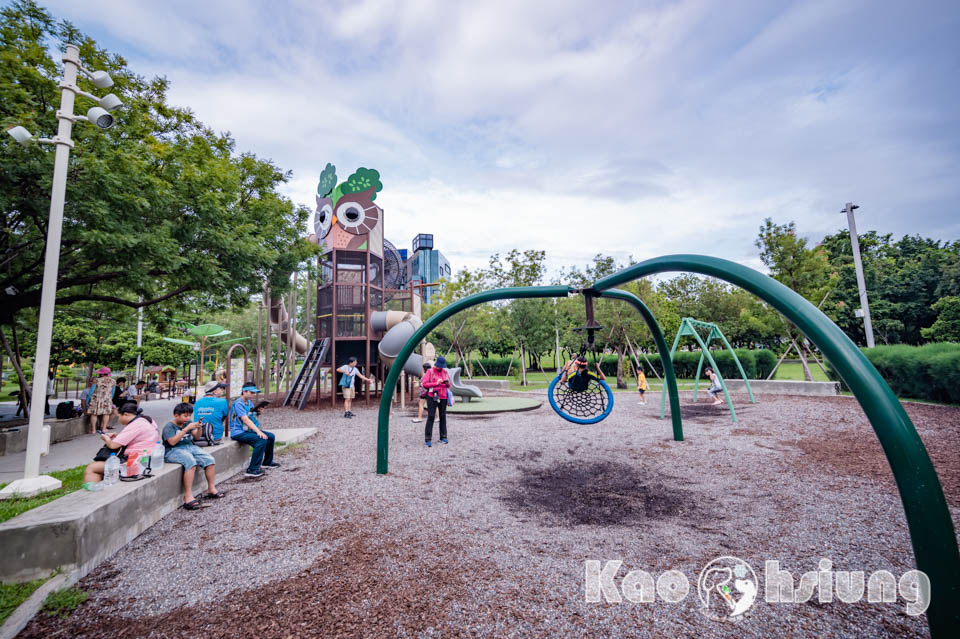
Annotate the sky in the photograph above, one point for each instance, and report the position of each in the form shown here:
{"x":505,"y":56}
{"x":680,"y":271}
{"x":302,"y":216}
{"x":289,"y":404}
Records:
{"x":625,"y":128}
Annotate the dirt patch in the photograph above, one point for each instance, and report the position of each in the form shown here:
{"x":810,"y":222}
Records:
{"x":594,"y":493}
{"x":857,"y":452}
{"x":373,"y":586}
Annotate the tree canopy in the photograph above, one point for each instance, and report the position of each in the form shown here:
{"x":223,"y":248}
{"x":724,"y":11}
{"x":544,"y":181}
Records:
{"x":160,"y":210}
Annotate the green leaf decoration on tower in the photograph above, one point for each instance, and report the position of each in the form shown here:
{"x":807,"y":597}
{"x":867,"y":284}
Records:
{"x":363,"y":180}
{"x":328,"y":180}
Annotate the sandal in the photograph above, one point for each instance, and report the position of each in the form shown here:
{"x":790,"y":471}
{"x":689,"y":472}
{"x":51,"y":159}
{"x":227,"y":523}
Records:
{"x":194,"y":505}
{"x":217,"y":495}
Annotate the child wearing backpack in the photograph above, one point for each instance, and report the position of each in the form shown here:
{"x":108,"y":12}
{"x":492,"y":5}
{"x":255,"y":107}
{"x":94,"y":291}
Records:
{"x":347,"y":385}
{"x":211,"y":411}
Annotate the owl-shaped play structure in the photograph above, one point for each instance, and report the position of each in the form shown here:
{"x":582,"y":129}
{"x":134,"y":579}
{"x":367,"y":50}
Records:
{"x":364,"y":307}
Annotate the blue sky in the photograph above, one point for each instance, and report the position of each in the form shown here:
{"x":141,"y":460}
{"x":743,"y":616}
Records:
{"x":633,"y":128}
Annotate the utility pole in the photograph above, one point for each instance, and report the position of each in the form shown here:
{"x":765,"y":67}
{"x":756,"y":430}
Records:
{"x":858,"y":265}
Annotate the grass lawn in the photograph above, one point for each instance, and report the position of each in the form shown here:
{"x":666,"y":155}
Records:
{"x":72,"y":479}
{"x":794,"y":371}
{"x":12,"y":595}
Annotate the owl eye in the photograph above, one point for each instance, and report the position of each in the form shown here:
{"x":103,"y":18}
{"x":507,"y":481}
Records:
{"x":323,"y":220}
{"x":355,"y":219}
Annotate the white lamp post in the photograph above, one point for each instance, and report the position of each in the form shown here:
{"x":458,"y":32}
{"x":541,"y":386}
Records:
{"x":33,"y":483}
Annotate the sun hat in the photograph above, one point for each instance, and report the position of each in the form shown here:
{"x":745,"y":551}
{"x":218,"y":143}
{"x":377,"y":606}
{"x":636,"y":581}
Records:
{"x":441,"y":362}
{"x":211,"y":386}
{"x":103,"y":371}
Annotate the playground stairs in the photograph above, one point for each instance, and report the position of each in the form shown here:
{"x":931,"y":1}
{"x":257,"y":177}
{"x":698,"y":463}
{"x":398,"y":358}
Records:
{"x":307,"y":377}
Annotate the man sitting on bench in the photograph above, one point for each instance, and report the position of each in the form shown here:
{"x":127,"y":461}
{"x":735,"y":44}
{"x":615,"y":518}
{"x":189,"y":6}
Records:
{"x":245,"y":428}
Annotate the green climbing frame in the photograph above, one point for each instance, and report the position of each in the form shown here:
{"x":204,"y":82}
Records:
{"x":688,"y":327}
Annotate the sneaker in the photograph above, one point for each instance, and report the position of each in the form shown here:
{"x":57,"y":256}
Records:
{"x":443,"y":440}
{"x":428,"y":444}
{"x":416,"y":421}
{"x":254,"y":473}
{"x":348,"y":415}
{"x":271,"y":465}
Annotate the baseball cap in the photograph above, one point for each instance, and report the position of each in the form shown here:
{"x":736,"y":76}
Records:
{"x":211,"y":386}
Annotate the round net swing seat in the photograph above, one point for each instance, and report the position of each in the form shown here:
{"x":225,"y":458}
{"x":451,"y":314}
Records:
{"x":587,"y":406}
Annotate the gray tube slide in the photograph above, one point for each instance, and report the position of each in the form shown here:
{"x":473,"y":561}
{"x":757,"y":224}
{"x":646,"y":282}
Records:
{"x":400,"y":327}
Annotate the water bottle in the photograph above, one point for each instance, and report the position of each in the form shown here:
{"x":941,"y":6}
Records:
{"x":156,"y":457}
{"x":111,"y":470}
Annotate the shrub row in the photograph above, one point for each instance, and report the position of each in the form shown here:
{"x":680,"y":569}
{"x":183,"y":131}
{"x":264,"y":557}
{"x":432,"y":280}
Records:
{"x":929,"y":372}
{"x":757,"y":364}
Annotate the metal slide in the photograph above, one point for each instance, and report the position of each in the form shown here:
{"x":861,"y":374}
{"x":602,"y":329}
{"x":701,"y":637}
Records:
{"x":399,"y":327}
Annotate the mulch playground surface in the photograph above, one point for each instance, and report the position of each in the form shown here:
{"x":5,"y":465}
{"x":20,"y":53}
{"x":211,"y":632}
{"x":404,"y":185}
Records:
{"x":488,"y":536}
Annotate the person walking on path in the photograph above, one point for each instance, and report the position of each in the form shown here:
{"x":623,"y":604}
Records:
{"x":51,"y":392}
{"x":422,"y":402}
{"x":245,"y":428}
{"x":100,"y":407}
{"x":715,"y":389}
{"x":180,"y":449}
{"x":642,"y":386}
{"x":348,"y":384}
{"x":437,"y":383}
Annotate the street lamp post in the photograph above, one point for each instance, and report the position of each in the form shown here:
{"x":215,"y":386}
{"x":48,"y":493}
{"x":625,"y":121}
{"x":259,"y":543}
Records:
{"x":858,"y":265}
{"x":33,"y":483}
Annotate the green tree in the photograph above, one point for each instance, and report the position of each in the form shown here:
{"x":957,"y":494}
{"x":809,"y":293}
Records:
{"x":946,"y":328}
{"x":160,"y":210}
{"x":806,"y":271}
{"x":468,"y":329}
{"x":529,"y":321}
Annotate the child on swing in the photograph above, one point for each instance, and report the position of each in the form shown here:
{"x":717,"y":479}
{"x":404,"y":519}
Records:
{"x":576,"y":375}
{"x":715,"y":389}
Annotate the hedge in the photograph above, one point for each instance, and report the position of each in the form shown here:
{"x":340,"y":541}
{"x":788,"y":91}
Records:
{"x":757,"y":364}
{"x":928,"y":372}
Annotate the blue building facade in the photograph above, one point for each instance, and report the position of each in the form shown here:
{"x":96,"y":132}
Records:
{"x":427,"y":265}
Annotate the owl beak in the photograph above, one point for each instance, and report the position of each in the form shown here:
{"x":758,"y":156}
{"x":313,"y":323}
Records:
{"x":333,"y":220}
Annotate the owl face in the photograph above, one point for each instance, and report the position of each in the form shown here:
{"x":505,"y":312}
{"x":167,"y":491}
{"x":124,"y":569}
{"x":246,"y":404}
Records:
{"x":323,"y":218}
{"x":347,"y":227}
{"x":357,"y":213}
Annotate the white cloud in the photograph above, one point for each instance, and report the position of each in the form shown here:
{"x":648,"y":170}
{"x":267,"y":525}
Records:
{"x":577,"y":127}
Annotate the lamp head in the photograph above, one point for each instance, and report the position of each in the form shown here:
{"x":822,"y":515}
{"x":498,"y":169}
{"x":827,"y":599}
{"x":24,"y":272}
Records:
{"x":100,"y":117}
{"x":20,"y":134}
{"x":101,"y":79}
{"x":110,"y":102}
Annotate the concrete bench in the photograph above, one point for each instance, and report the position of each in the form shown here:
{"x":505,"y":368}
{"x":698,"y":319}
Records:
{"x":490,"y":384}
{"x":78,"y":531}
{"x":15,"y":440}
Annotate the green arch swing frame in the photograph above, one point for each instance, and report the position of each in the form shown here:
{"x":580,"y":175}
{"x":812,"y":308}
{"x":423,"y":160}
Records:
{"x":928,"y":518}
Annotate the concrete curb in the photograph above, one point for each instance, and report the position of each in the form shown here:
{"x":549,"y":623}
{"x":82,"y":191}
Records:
{"x":26,"y":611}
{"x":78,"y":531}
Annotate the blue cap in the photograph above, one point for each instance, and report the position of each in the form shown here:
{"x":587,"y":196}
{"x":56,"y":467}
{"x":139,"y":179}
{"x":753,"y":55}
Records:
{"x":441,"y":362}
{"x":250,"y":386}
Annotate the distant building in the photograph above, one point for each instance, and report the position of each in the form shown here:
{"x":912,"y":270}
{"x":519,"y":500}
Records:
{"x":427,"y":265}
